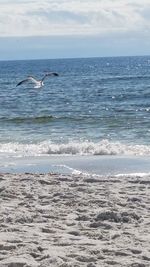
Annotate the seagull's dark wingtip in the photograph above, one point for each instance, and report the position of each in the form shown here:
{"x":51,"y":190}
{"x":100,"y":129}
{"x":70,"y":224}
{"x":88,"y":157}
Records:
{"x":52,"y":74}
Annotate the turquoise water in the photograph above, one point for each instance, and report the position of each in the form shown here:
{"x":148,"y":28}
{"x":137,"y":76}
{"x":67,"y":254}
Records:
{"x":97,"y":106}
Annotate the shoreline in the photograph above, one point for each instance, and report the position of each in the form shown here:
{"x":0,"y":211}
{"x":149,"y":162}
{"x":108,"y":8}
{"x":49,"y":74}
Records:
{"x":73,"y":221}
{"x":70,"y":164}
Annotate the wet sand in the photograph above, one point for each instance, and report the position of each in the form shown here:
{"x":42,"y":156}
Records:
{"x":72,"y":221}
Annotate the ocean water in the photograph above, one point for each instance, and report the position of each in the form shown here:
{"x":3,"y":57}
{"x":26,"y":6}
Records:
{"x":95,"y":107}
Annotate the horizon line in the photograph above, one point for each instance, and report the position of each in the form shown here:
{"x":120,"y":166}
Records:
{"x":69,"y":58}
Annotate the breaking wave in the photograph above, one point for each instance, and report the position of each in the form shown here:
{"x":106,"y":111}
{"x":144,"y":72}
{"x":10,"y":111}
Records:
{"x":103,"y":147}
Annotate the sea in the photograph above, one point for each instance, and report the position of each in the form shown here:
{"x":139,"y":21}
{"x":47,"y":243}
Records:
{"x":94,"y":117}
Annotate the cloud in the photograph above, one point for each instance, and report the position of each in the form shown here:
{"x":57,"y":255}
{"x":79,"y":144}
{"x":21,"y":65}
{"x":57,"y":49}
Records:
{"x":73,"y":17}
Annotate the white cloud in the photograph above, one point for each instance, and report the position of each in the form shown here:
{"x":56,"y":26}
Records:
{"x":73,"y":17}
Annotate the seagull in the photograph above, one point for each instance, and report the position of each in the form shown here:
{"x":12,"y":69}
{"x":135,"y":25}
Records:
{"x":38,"y":83}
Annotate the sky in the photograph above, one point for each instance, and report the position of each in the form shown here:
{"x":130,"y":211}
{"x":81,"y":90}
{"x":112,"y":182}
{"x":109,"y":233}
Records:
{"x":34,"y":29}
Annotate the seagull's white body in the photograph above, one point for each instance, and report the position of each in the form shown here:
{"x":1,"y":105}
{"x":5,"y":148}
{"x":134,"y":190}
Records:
{"x":38,"y":83}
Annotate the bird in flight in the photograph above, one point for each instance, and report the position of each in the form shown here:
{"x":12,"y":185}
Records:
{"x":38,"y":83}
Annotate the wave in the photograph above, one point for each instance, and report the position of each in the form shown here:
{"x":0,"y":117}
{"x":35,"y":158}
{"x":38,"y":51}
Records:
{"x":103,"y":147}
{"x":39,"y":119}
{"x":124,"y":77}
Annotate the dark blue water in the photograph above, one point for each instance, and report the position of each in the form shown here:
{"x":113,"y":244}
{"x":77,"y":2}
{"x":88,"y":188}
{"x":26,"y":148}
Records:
{"x":95,"y":106}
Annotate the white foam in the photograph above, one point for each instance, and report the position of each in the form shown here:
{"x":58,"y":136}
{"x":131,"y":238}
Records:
{"x":103,"y":147}
{"x":134,"y":175}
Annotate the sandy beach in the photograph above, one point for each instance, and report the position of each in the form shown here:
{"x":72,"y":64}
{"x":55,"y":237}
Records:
{"x":74,"y":220}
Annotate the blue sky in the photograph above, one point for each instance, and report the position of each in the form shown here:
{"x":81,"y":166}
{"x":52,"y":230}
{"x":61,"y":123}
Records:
{"x":73,"y":28}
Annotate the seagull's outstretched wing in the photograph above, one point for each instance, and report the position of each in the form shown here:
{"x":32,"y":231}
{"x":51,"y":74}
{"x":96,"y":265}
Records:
{"x":23,"y":81}
{"x":49,"y":74}
{"x":30,"y":78}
